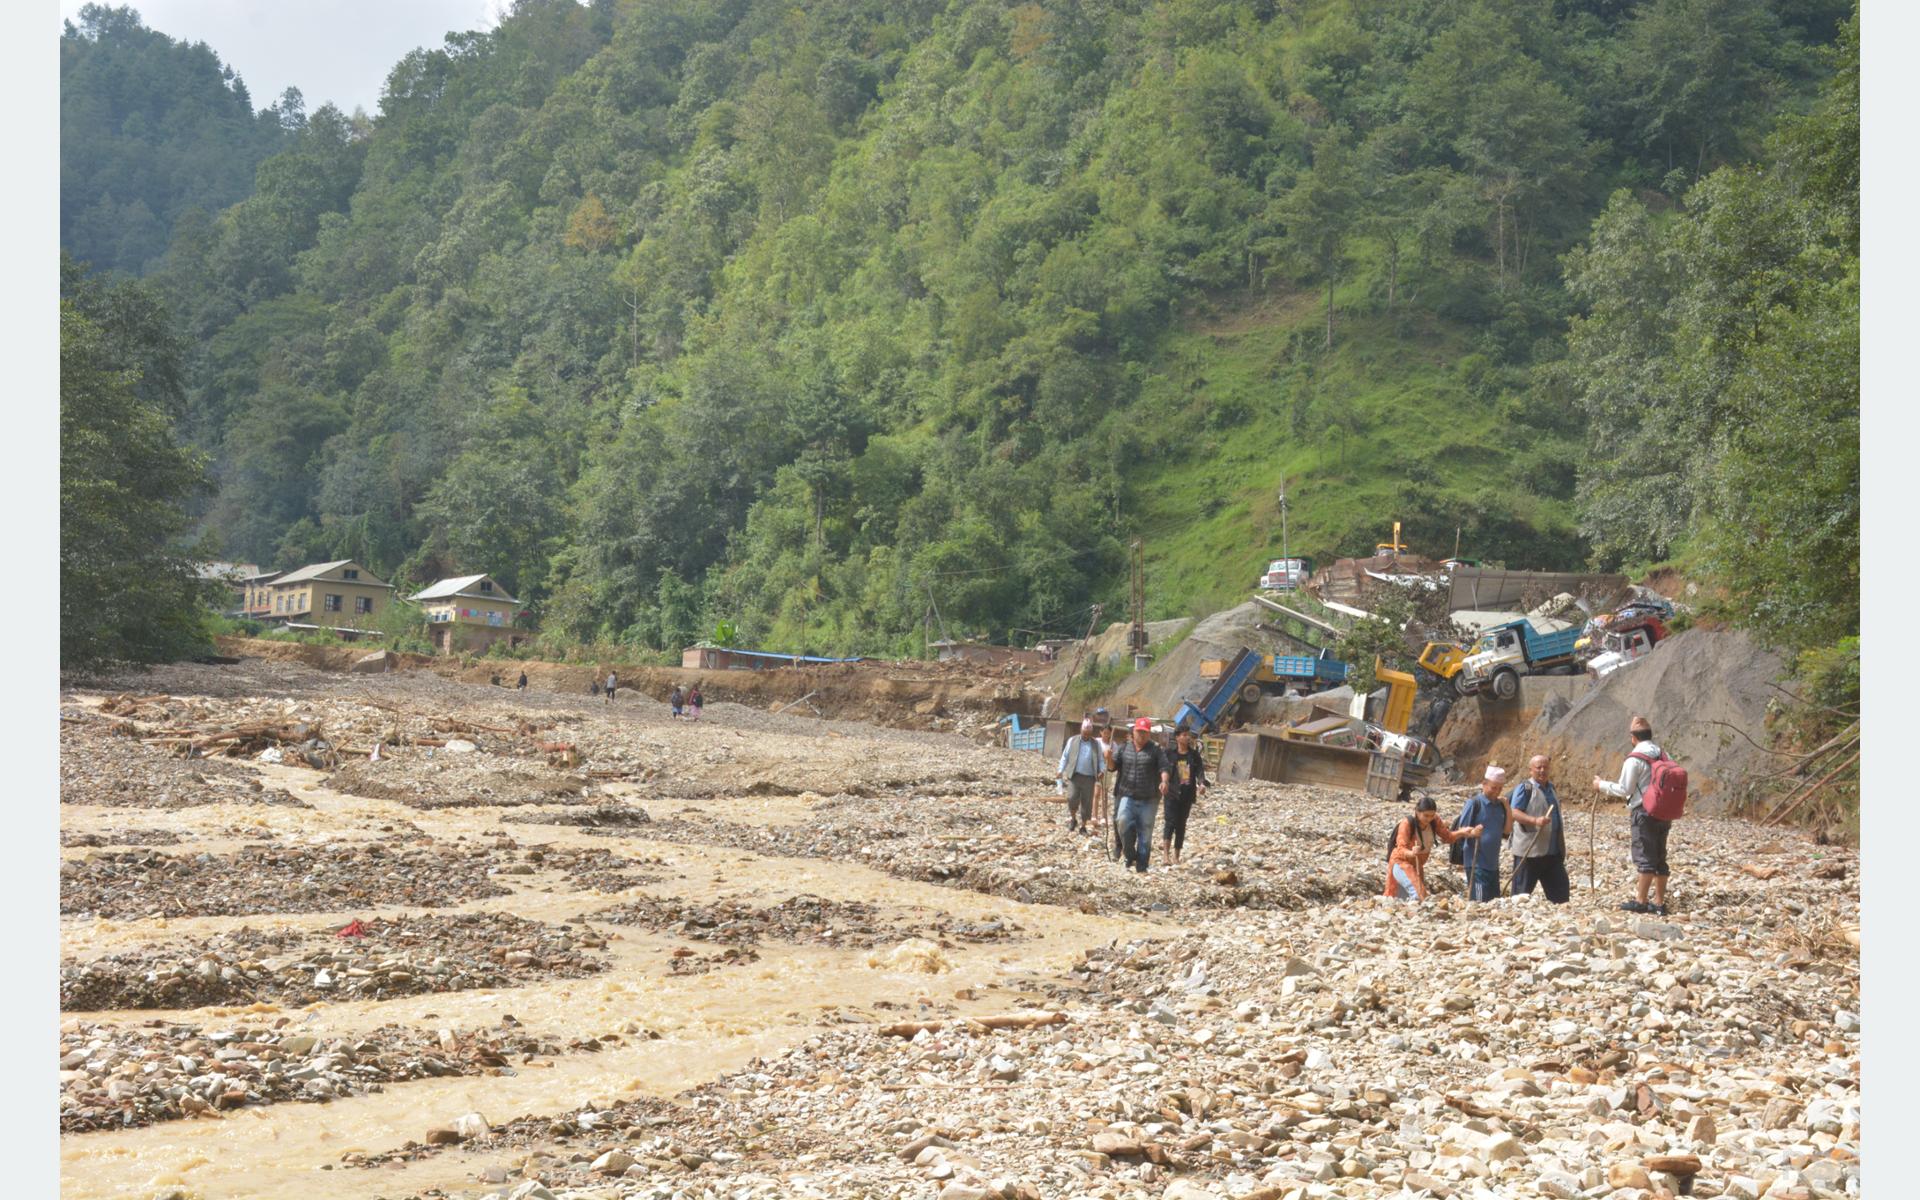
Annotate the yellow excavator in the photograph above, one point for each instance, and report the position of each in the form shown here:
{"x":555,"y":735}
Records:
{"x":1444,"y":660}
{"x":1396,"y":547}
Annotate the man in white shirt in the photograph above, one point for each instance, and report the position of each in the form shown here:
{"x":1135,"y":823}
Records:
{"x":1083,"y":765}
{"x":1649,"y":833}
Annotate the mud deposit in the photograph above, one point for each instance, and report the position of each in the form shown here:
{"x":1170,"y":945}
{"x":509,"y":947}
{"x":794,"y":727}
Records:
{"x":773,"y":955}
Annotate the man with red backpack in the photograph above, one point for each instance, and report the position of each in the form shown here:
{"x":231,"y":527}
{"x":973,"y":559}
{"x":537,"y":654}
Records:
{"x":1655,"y":789}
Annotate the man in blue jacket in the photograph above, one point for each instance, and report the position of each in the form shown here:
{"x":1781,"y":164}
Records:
{"x":1488,"y":811}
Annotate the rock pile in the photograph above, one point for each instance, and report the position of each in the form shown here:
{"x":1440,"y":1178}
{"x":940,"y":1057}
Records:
{"x":122,"y":884}
{"x":1513,"y":1049}
{"x":393,"y":957}
{"x":122,"y":1077}
{"x":801,"y":920}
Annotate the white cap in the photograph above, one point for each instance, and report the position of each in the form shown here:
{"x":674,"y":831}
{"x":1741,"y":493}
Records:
{"x":1496,"y":774}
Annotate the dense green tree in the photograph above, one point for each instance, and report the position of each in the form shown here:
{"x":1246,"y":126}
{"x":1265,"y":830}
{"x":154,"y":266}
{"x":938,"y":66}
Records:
{"x":150,"y":130}
{"x":1718,"y":362}
{"x":128,"y":587}
{"x":820,"y":318}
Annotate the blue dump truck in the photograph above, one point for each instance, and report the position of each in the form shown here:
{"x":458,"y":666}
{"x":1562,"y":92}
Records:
{"x":1506,"y":652}
{"x":1250,"y":674}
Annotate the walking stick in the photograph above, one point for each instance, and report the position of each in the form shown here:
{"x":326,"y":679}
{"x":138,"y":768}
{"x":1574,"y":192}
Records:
{"x":1593,"y":821}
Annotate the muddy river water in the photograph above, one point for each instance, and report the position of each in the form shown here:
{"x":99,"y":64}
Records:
{"x":693,"y":1027}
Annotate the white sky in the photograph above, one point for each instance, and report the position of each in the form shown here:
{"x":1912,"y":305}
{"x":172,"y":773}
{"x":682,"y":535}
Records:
{"x":338,"y":50}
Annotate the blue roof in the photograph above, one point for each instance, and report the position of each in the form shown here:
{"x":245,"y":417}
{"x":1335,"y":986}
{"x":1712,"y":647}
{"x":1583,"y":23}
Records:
{"x":805,"y":658}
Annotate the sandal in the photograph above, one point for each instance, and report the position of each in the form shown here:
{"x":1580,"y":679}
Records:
{"x":1634,"y":906}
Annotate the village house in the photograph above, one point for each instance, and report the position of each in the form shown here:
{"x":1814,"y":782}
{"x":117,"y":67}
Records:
{"x":233,"y":576}
{"x":256,"y":600}
{"x":469,"y":614}
{"x":337,"y":595}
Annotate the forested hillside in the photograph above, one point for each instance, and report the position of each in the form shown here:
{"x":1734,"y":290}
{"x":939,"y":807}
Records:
{"x":151,"y":129}
{"x":806,"y":317}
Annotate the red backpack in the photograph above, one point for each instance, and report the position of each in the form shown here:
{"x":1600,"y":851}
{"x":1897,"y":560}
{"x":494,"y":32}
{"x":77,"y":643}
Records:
{"x":1665,"y":796}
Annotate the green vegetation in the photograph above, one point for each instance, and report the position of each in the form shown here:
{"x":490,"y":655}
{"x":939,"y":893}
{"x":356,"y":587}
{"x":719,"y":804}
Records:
{"x":152,"y":131}
{"x":813,"y":319}
{"x":128,"y":588}
{"x":1719,"y":366}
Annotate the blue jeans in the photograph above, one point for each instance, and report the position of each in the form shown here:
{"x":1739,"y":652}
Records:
{"x":1404,"y":885}
{"x":1134,"y":820}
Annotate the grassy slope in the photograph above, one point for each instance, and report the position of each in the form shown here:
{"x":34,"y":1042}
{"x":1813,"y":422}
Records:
{"x":1209,"y":513}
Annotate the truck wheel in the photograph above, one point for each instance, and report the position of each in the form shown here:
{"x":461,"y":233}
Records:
{"x":1506,"y":685}
{"x":1250,"y":693}
{"x":1460,"y":686}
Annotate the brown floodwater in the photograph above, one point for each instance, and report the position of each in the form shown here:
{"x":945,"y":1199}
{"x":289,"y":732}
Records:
{"x":704,"y":1025}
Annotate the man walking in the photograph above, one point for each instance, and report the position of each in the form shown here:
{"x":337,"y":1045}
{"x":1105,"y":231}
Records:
{"x":613,"y":682}
{"x":1189,"y":780}
{"x":1142,"y":770}
{"x":522,"y":685}
{"x":1083,"y":765}
{"x":1103,"y":822}
{"x":676,"y":700}
{"x":1649,"y":833}
{"x":1488,"y":811}
{"x":1539,"y":839}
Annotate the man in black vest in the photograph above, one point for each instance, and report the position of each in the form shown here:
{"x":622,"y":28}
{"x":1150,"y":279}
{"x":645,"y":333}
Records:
{"x":1142,"y":771}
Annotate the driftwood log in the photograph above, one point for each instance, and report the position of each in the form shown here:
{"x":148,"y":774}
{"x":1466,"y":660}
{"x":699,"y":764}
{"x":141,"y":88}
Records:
{"x":907,"y":1029}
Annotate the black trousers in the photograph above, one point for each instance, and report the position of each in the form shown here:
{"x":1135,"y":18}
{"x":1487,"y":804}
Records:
{"x":1174,"y":824}
{"x":1549,"y":871}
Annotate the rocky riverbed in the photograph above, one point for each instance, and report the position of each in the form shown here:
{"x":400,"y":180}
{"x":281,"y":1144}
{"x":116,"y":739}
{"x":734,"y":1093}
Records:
{"x":776,"y":956}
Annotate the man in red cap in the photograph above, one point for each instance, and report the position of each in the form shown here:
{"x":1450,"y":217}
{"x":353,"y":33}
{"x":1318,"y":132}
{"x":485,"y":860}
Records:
{"x":1143,"y":770}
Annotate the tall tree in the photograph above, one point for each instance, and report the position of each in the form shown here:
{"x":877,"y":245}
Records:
{"x":150,"y":129}
{"x":128,"y":588}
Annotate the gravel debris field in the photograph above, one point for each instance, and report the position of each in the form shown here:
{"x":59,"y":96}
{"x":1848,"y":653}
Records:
{"x":773,"y":955}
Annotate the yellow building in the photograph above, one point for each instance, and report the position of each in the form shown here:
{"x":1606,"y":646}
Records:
{"x":335,"y":595}
{"x":258,"y":600}
{"x":469,"y":613}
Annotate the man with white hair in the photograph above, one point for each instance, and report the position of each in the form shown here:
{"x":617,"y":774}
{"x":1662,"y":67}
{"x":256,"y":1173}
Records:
{"x":1487,"y":810}
{"x":1083,"y":765}
{"x":1539,"y":838}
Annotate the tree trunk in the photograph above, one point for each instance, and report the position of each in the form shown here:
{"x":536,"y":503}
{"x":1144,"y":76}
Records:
{"x":1500,"y":239}
{"x":1329,"y":343}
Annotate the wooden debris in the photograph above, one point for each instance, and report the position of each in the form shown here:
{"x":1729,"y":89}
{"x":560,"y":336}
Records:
{"x":907,"y":1029}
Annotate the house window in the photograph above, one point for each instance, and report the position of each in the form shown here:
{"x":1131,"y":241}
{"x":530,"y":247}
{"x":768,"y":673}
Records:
{"x":486,"y":585}
{"x":363,"y":604}
{"x":332,"y":603}
{"x":350,"y":573}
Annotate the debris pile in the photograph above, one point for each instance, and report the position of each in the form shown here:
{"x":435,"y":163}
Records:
{"x":400,"y":956}
{"x":1518,"y":1047}
{"x":120,"y":1077}
{"x":802,"y":920}
{"x":121,"y":884}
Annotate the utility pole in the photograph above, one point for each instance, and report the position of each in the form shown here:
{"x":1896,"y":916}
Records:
{"x":1137,"y":636}
{"x":1286,"y":555}
{"x":1073,"y":672}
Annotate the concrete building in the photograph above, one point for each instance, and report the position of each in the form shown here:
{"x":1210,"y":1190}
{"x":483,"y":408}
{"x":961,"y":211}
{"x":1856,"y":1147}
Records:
{"x":339,"y":595}
{"x":469,"y":614}
{"x":234,"y":577}
{"x":256,"y":600}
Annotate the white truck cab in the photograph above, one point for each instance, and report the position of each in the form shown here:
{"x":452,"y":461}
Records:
{"x":1286,"y":574}
{"x":1619,"y":649}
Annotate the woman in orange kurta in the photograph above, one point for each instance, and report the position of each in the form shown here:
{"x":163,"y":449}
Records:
{"x":1412,"y":844}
